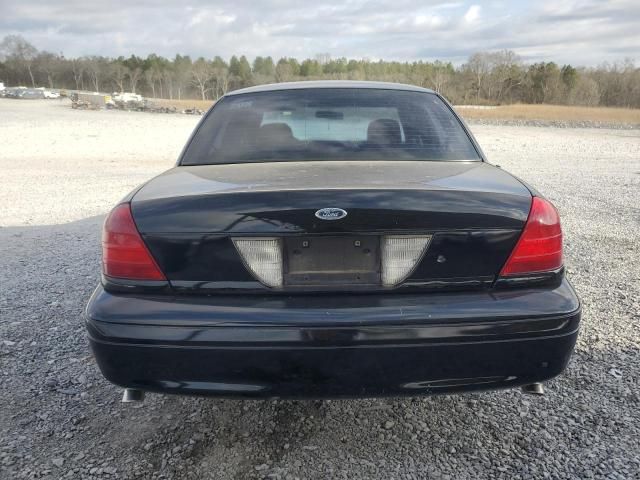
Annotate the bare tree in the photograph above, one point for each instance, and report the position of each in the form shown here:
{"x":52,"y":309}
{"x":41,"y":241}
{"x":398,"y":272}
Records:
{"x":181,"y":73}
{"x":119,"y":73}
{"x":284,"y":71}
{"x":586,"y":92}
{"x":479,"y":67}
{"x":201,"y":75}
{"x":506,"y":74}
{"x":17,"y":50}
{"x":77,"y":69}
{"x":134,"y":77}
{"x":221,"y":77}
{"x":439,"y":75}
{"x":150,"y":78}
{"x":95,"y":70}
{"x":168,"y":76}
{"x":135,"y":65}
{"x":543,"y":82}
{"x":50,"y":65}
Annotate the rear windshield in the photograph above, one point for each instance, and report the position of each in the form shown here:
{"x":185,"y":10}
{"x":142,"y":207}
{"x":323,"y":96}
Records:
{"x":329,"y":124}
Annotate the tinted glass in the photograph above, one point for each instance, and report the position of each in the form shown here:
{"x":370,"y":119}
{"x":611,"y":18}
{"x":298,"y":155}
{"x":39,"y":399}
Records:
{"x":329,"y":124}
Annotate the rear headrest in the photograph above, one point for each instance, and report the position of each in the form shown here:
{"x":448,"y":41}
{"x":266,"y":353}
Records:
{"x":240,"y":133}
{"x":384,"y":131}
{"x":276,"y":132}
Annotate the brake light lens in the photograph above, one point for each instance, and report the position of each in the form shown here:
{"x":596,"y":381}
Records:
{"x":400,"y":255}
{"x":124,"y":254}
{"x":263,"y":256}
{"x":539,"y":248}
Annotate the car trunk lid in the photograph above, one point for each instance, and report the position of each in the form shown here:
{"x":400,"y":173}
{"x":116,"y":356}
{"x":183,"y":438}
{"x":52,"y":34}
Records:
{"x":471,"y":212}
{"x":282,"y":197}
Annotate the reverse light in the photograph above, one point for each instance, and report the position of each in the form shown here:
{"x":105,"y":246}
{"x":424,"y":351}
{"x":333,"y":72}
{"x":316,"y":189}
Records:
{"x":263,"y":256}
{"x":124,"y":254}
{"x":400,"y":255}
{"x":539,"y":248}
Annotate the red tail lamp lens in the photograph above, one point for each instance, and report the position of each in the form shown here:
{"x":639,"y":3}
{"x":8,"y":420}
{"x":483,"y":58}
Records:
{"x":539,"y":248}
{"x":124,"y":254}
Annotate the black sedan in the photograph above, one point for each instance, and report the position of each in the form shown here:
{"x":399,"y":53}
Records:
{"x":332,"y":239}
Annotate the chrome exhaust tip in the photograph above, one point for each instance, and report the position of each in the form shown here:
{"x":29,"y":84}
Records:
{"x":533,"y":389}
{"x":131,"y":395}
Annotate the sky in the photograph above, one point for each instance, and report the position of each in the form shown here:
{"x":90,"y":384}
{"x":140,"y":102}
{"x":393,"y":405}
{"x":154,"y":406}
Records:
{"x":580,"y":32}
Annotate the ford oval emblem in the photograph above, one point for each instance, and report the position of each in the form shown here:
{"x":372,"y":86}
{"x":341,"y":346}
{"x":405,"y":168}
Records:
{"x":331,"y":213}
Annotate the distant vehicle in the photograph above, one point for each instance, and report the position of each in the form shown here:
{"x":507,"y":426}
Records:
{"x":332,"y":239}
{"x":85,"y":100}
{"x":30,"y":94}
{"x":127,"y":97}
{"x":50,"y":94}
{"x":13,"y":92}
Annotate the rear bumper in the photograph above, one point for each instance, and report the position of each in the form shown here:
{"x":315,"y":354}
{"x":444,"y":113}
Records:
{"x":333,"y":346}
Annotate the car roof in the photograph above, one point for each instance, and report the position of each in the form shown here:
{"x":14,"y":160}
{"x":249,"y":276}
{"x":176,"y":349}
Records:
{"x":271,"y":87}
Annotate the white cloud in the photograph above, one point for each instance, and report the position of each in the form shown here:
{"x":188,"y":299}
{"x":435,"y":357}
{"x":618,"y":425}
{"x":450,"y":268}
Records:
{"x":429,"y":20}
{"x":197,"y":19}
{"x":473,"y":14}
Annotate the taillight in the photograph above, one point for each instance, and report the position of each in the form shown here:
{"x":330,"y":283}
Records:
{"x":124,"y":254}
{"x":539,"y":248}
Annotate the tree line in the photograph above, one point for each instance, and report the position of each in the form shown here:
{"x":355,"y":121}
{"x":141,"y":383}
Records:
{"x":486,"y":78}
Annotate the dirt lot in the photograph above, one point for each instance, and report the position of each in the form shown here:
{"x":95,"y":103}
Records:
{"x":61,"y":170}
{"x":556,"y":114}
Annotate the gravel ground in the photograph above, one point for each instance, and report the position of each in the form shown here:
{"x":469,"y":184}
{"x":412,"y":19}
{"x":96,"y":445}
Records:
{"x":61,"y":170}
